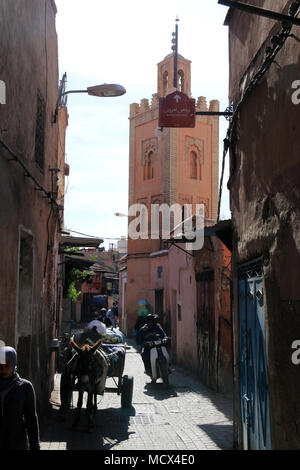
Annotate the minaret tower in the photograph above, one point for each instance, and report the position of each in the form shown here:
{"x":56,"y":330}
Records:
{"x":176,"y":165}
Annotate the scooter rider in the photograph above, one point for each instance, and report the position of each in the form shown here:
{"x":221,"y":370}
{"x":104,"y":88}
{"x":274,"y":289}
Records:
{"x":149,"y":332}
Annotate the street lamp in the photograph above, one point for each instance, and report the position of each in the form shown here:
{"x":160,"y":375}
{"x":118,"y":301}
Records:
{"x":104,"y":91}
{"x":107,"y":90}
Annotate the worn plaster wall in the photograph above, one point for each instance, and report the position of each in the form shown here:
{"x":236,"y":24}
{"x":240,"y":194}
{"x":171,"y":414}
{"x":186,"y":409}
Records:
{"x":214,"y":334}
{"x":28,"y":63}
{"x":265,"y":194}
{"x":182,"y":286}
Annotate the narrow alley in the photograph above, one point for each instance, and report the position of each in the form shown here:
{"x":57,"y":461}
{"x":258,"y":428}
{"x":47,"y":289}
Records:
{"x":188,"y":416}
{"x":150,"y":188}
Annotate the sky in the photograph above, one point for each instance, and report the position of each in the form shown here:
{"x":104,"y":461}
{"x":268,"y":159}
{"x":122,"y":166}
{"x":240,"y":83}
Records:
{"x":122,"y":42}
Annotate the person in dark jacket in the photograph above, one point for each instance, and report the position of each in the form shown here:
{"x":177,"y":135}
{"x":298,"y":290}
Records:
{"x":141,"y":321}
{"x":19,"y":428}
{"x":149,"y":332}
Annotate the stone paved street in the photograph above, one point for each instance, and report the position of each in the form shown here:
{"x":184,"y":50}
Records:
{"x":188,"y":416}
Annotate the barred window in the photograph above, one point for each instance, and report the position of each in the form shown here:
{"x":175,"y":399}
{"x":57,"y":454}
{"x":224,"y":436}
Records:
{"x":40,"y":131}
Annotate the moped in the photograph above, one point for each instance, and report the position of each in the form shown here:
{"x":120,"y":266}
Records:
{"x":159,"y":359}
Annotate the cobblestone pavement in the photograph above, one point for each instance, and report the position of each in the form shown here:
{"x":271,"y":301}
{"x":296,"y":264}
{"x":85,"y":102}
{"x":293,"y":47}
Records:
{"x":188,"y":416}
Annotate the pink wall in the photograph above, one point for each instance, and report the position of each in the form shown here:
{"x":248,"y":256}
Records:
{"x":182,"y":290}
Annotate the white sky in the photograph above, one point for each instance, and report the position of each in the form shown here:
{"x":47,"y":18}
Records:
{"x":122,"y":42}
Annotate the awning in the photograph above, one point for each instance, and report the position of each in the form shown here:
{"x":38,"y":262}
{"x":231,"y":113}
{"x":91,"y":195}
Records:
{"x":222,"y":230}
{"x":111,"y":277}
{"x":78,"y":262}
{"x":80,"y":242}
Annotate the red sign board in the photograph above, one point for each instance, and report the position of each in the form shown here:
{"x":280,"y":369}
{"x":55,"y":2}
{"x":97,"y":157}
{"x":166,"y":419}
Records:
{"x":177,"y":110}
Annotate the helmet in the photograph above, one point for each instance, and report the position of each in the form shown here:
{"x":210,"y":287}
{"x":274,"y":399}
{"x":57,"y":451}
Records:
{"x":151,"y":317}
{"x":103,"y":310}
{"x":10,"y":355}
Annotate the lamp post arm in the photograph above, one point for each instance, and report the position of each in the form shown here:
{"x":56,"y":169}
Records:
{"x":74,"y":91}
{"x":58,"y":103}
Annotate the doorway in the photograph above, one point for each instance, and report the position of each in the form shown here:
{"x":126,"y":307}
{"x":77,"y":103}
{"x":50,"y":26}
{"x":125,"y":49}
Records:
{"x":159,"y":302}
{"x":254,"y":389}
{"x":206,"y":327}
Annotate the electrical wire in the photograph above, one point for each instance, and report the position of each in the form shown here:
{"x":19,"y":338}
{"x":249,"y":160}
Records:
{"x":28,"y":174}
{"x":48,"y":241}
{"x":94,"y":236}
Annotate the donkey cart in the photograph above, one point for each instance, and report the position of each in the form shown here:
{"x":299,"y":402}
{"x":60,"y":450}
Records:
{"x":87,"y":371}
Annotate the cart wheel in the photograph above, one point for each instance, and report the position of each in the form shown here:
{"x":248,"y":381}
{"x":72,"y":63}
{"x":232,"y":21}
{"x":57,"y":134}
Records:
{"x":65,"y":390}
{"x":127,"y":391}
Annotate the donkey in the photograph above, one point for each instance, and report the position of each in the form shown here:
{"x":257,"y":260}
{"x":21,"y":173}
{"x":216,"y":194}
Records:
{"x":89,"y":376}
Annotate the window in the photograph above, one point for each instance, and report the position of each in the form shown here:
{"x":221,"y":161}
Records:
{"x":194,"y":165}
{"x":179,"y":312}
{"x":165,"y":83}
{"x":181,"y":80}
{"x":40,"y":131}
{"x":159,"y":302}
{"x":148,"y":168}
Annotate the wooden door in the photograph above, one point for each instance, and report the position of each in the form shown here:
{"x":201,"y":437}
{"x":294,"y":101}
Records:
{"x":206,"y":327}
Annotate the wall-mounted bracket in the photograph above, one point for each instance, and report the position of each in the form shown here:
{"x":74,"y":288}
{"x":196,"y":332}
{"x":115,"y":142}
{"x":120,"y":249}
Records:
{"x":262,"y":12}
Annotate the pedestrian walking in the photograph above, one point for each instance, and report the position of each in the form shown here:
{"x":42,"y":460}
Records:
{"x":19,"y":428}
{"x":116,"y":309}
{"x":111,"y":319}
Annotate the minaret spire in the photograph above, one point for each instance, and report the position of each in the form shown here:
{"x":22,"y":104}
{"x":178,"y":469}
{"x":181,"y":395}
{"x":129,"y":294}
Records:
{"x":175,"y":50}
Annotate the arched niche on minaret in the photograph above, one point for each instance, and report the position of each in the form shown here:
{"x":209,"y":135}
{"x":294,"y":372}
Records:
{"x":165,"y":75}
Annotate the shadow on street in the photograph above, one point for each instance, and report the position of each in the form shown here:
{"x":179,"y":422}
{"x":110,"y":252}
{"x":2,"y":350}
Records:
{"x":185,"y":382}
{"x":158,"y":391}
{"x":217,"y":432}
{"x":111,"y":428}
